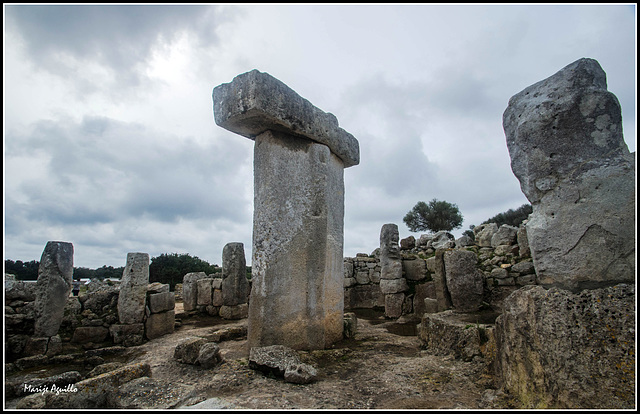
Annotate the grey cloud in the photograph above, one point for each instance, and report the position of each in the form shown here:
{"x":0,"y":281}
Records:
{"x":101,"y":170}
{"x":117,"y":37}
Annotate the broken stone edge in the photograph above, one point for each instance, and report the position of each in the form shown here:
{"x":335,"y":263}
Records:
{"x":255,"y":102}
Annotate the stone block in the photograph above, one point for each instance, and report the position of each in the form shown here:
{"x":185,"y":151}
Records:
{"x":256,"y":102}
{"x":161,"y":302}
{"x":393,"y":285}
{"x":234,"y":312}
{"x":159,"y":324}
{"x":204,"y":292}
{"x":393,"y":303}
{"x":415,"y":269}
{"x":133,"y":289}
{"x":95,"y":334}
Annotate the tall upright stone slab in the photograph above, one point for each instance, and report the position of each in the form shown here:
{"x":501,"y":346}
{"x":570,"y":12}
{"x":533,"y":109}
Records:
{"x":133,"y":289}
{"x":565,"y":141}
{"x":53,"y":286}
{"x":235,"y":286}
{"x":392,"y":284}
{"x":300,"y":153}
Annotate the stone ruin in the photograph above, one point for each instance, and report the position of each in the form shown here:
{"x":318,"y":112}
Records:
{"x":300,"y":154}
{"x":564,"y":136}
{"x":562,"y":284}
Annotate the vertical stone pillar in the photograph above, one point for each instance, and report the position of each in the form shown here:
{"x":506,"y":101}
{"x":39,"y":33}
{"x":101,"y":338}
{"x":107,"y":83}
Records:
{"x":235,"y":286}
{"x":133,"y":289}
{"x":297,"y":296}
{"x":55,"y":276}
{"x":392,"y":284}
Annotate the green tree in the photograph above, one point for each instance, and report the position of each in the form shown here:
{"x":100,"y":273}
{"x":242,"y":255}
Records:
{"x":511,"y":217}
{"x":171,"y":268}
{"x":22,"y":270}
{"x":433,"y":216}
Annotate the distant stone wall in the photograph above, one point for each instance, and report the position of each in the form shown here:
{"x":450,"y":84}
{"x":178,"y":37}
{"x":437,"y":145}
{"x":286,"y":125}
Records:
{"x":502,"y":261}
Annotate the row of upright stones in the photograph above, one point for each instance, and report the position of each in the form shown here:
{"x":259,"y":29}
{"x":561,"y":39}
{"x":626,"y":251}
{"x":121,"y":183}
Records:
{"x":40,"y":317}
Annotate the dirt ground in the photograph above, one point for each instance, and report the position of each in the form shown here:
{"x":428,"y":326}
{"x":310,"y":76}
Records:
{"x":383,"y":367}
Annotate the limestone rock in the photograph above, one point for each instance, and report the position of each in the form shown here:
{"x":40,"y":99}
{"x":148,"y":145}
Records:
{"x":160,"y":302}
{"x":281,"y":361}
{"x":95,"y":334}
{"x":127,"y":334}
{"x":483,"y":234}
{"x":506,"y":235}
{"x":204,"y":292}
{"x":415,"y":269}
{"x":255,"y":102}
{"x":158,"y":324}
{"x":393,"y":303}
{"x":150,"y":393}
{"x":350,"y":325}
{"x":440,"y":282}
{"x":464,"y":280}
{"x":390,"y":259}
{"x":557,"y":349}
{"x":443,"y":240}
{"x":464,"y":241}
{"x":190,"y":289}
{"x":234,"y":312}
{"x":209,"y":355}
{"x":188,"y":350}
{"x":53,"y":287}
{"x":564,"y":136}
{"x":133,"y":289}
{"x":408,"y":243}
{"x":393,"y":285}
{"x":235,"y":286}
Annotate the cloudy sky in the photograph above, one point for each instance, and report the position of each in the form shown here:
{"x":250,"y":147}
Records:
{"x":110,"y":142}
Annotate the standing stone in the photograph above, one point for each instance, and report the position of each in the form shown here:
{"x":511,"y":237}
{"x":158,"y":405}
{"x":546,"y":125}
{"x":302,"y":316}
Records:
{"x":390,"y":259}
{"x":235,"y":286}
{"x":506,"y":235}
{"x":190,"y":289}
{"x":464,"y":280}
{"x":484,"y":233}
{"x":440,"y":282}
{"x":133,"y":289}
{"x":564,"y":136}
{"x":204,"y":291}
{"x":300,"y":153}
{"x":53,"y":287}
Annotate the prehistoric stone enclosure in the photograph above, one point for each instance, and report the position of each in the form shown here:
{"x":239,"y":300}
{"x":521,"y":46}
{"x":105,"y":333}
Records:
{"x":547,"y":308}
{"x":300,"y":153}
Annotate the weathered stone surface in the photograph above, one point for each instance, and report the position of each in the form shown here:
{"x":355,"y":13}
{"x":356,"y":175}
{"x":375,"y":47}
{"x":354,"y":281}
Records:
{"x":190,"y":289}
{"x":415,"y":269}
{"x":204,"y":292}
{"x":19,"y":290}
{"x":390,"y":259}
{"x":127,"y":334}
{"x":423,"y":291}
{"x":95,"y":334}
{"x":158,"y":324}
{"x":393,"y":305}
{"x":350,"y":325}
{"x":444,"y":333}
{"x":104,"y":368}
{"x":160,"y":302}
{"x":281,"y":361}
{"x":234,"y":312}
{"x":430,"y":306}
{"x":523,"y":242}
{"x":226,"y":334}
{"x":443,"y":240}
{"x":235,"y":286}
{"x":506,"y":235}
{"x":188,"y":350}
{"x":464,"y":241}
{"x":133,"y":289}
{"x":524,"y":268}
{"x":256,"y":102}
{"x":53,"y":287}
{"x":562,"y":350}
{"x":408,"y":243}
{"x":440,"y":282}
{"x":565,"y":141}
{"x":297,"y":295}
{"x":393,"y":285}
{"x":483,"y":234}
{"x":59,"y":381}
{"x":209,"y":355}
{"x":464,"y":280}
{"x":363,"y":296}
{"x":150,"y":394}
{"x":157,"y":287}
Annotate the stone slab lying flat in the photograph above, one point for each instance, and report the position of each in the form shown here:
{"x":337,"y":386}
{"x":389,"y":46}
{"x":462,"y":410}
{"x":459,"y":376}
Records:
{"x":255,"y":102}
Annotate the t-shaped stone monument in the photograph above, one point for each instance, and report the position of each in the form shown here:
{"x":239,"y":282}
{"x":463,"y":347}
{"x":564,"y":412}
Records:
{"x":300,"y":152}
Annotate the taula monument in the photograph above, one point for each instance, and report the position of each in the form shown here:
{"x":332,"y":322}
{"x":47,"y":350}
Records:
{"x":300,"y":153}
{"x":564,"y":136}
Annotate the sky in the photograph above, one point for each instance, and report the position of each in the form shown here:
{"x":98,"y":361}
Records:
{"x":110,"y":142}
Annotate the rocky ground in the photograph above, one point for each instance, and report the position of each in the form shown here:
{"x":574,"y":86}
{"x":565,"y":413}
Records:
{"x":382,"y":367}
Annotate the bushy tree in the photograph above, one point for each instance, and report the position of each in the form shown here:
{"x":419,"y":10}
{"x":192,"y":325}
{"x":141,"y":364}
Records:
{"x":22,"y":270}
{"x":171,"y":268}
{"x":433,"y":216}
{"x":511,"y":217}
